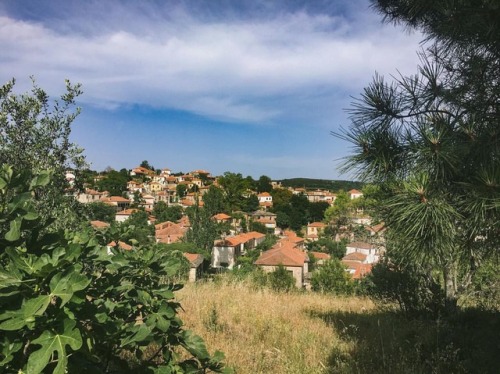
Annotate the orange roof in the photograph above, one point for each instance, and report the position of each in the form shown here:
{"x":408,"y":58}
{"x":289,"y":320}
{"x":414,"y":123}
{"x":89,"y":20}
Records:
{"x":320,"y":255}
{"x":355,"y":256}
{"x":99,"y":224}
{"x":195,"y":259}
{"x":316,"y":224}
{"x":127,"y":212}
{"x":221,"y":216}
{"x":355,"y":192}
{"x":115,"y":199}
{"x":121,"y":245}
{"x":264,"y":194}
{"x":356,"y":269}
{"x":233,"y":241}
{"x":286,"y":256}
{"x":361,"y":245}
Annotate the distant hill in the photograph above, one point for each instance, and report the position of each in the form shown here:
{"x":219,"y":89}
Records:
{"x":325,"y":184}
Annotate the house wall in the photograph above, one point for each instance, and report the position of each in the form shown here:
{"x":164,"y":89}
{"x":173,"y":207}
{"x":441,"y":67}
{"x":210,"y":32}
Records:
{"x":223,"y":255}
{"x":297,"y":272}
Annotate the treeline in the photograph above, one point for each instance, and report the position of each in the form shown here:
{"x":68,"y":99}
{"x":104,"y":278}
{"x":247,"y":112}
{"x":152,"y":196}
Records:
{"x":325,"y":184}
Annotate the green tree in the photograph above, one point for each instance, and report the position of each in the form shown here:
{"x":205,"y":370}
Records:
{"x":163,"y":212}
{"x":214,"y":201}
{"x":251,"y":204}
{"x":35,"y":135}
{"x":316,"y":211}
{"x":114,"y":182}
{"x":430,"y":140}
{"x":138,"y":229}
{"x":281,"y":197}
{"x":101,"y":212}
{"x":203,"y":231}
{"x":281,"y":280}
{"x":68,"y":306}
{"x":234,"y":186}
{"x":332,"y":277}
{"x":264,"y":184}
{"x":181,"y":190}
{"x":145,"y":164}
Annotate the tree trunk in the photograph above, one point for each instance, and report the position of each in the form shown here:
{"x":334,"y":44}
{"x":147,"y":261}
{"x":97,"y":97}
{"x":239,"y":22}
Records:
{"x":450,"y":288}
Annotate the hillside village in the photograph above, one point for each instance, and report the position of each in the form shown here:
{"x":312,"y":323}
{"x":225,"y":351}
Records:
{"x":255,"y":235}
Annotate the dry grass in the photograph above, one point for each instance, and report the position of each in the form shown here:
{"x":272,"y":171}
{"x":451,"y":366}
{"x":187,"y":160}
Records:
{"x":265,"y":332}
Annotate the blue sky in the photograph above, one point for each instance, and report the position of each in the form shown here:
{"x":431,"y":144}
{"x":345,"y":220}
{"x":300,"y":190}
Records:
{"x":253,"y":87}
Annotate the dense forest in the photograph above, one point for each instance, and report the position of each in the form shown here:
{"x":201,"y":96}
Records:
{"x":326,"y":184}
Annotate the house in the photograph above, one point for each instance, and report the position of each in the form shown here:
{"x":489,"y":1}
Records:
{"x":268,"y":219}
{"x":222,"y":218}
{"x":195,"y":261}
{"x":314,"y":229}
{"x":354,"y":194}
{"x":123,"y":215}
{"x":91,"y":196}
{"x":369,"y":250}
{"x":292,"y":237}
{"x":120,"y":203}
{"x":265,"y":200}
{"x":320,"y":257}
{"x":141,"y":171}
{"x":169,"y":232}
{"x":227,"y":250}
{"x":286,"y":254}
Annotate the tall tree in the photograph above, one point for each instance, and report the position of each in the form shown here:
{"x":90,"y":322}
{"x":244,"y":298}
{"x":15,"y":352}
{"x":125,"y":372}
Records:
{"x":431,"y":139}
{"x":264,"y":184}
{"x":35,"y":136}
{"x":234,"y":186}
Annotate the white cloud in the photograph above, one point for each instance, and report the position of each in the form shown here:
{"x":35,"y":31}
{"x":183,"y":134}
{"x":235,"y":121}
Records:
{"x":227,"y":70}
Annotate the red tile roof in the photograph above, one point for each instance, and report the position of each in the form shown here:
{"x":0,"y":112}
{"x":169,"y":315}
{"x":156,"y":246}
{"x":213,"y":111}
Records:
{"x":99,"y":224}
{"x":121,"y":245}
{"x":285,"y":255}
{"x":316,"y":224}
{"x":320,"y":255}
{"x":356,"y":269}
{"x":360,"y":245}
{"x":355,"y":256}
{"x":221,"y":217}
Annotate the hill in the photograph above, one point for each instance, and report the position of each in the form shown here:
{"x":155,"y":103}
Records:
{"x":325,"y":184}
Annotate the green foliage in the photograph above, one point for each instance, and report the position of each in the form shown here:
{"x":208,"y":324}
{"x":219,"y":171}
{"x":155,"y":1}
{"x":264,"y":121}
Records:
{"x":264,"y":184}
{"x":414,"y":290}
{"x":115,"y":182}
{"x":204,"y":230}
{"x":332,"y":277}
{"x":101,"y":212}
{"x":327,"y":245}
{"x":234,"y":186}
{"x":69,"y":306}
{"x":181,"y":190}
{"x":250,"y":204}
{"x":36,"y":136}
{"x":163,"y":212}
{"x":214,"y":201}
{"x":429,"y":140}
{"x":281,"y":280}
{"x":314,"y":184}
{"x":258,"y":226}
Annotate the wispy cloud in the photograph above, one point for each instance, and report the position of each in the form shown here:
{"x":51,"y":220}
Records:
{"x":228,"y":69}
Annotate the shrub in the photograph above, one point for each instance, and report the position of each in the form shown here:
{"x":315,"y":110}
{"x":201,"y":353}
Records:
{"x":332,"y":277}
{"x":67,"y":305}
{"x":281,"y":280}
{"x":413,"y":290}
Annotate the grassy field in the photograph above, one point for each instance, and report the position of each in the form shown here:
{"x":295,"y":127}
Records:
{"x":265,"y":332}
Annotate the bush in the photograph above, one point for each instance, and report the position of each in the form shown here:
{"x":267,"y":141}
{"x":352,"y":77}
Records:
{"x":69,"y":306}
{"x":413,"y":290}
{"x":281,"y":280}
{"x":332,"y":277}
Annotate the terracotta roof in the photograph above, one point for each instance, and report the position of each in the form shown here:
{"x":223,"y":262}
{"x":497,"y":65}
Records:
{"x":316,"y":224}
{"x":286,"y":256}
{"x":232,"y":241}
{"x":127,"y":212}
{"x":169,"y":232}
{"x":355,"y":256}
{"x":355,"y":192}
{"x":264,"y":194}
{"x":99,"y":224}
{"x":320,"y":255}
{"x":115,"y":199}
{"x":121,"y":245}
{"x":356,"y":269}
{"x":377,"y":228}
{"x":360,"y":245}
{"x":195,"y":259}
{"x":221,"y":216}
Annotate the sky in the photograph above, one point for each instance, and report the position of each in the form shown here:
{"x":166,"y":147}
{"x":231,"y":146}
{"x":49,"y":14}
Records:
{"x":253,"y":87}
